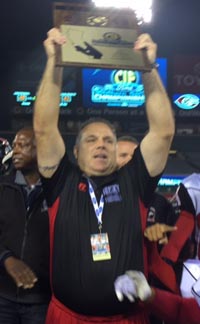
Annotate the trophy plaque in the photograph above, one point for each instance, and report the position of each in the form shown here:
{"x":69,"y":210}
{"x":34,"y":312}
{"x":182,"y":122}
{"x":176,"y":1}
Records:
{"x":98,"y":37}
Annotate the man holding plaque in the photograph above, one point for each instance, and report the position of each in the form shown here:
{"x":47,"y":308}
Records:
{"x":97,"y":213}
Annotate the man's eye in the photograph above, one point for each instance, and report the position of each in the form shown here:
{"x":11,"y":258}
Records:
{"x":110,"y":141}
{"x":21,"y":145}
{"x":90,"y":140}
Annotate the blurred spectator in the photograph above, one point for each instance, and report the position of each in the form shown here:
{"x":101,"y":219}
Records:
{"x":5,"y":156}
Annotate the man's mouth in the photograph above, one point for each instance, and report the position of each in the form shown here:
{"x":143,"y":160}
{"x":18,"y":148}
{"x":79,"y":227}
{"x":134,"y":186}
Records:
{"x":16,"y":160}
{"x":100,"y":156}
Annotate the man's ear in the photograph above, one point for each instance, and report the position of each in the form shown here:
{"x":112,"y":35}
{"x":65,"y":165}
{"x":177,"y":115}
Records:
{"x":75,"y":151}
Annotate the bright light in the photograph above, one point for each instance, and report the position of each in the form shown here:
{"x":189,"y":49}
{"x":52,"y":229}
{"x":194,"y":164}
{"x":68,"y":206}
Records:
{"x":142,"y":8}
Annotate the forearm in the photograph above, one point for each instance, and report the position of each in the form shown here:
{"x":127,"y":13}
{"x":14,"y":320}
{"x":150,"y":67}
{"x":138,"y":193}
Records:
{"x":173,"y":308}
{"x":164,"y":305}
{"x":46,"y":109}
{"x":158,"y":107}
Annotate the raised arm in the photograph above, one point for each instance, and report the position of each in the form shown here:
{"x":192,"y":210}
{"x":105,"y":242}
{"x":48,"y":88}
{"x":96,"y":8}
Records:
{"x":156,"y":144}
{"x":50,"y":145}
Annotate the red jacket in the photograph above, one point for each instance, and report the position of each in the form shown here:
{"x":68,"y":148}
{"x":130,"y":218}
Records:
{"x":175,"y":309}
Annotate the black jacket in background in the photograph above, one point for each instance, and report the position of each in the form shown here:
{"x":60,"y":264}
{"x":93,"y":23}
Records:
{"x":26,"y":235}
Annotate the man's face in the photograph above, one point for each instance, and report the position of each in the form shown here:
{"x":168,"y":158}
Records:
{"x":96,"y":152}
{"x":125,"y":150}
{"x":24,"y":150}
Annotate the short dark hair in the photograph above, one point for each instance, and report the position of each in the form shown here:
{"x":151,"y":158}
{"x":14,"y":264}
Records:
{"x":29,"y":129}
{"x":127,"y":138}
{"x":92,"y":121}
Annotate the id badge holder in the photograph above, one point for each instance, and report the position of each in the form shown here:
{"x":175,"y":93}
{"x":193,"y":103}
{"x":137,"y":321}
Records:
{"x":100,"y":247}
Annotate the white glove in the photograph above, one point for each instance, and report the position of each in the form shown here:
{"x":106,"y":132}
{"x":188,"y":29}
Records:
{"x":144,"y":291}
{"x":132,"y":284}
{"x":125,"y":286}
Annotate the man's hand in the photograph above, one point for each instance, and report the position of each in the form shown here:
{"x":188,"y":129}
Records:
{"x":54,"y":37}
{"x":125,"y":287}
{"x":132,"y":284}
{"x":144,"y":41}
{"x":144,"y":291}
{"x":22,"y":275}
{"x":158,"y":232}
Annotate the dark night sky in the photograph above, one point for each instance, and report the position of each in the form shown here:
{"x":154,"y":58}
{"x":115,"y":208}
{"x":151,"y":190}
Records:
{"x":175,"y":25}
{"x":24,"y":24}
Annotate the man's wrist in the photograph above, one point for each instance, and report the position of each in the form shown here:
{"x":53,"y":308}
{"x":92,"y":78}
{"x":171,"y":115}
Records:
{"x":4,"y":256}
{"x":151,"y":297}
{"x":154,"y":65}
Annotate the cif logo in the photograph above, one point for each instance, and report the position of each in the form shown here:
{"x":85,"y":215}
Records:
{"x":187,"y":101}
{"x":125,"y":76}
{"x":97,"y":20}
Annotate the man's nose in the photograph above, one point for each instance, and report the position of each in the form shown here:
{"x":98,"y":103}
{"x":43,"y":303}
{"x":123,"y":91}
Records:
{"x":100,"y":142}
{"x":16,"y":148}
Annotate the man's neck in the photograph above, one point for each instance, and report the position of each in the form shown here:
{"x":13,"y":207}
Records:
{"x":31,"y":176}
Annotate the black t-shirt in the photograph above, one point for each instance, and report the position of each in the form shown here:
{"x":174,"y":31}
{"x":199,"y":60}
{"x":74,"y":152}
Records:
{"x":84,"y":285}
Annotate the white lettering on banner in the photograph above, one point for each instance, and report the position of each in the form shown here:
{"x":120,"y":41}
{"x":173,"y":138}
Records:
{"x":91,"y":111}
{"x":187,"y":80}
{"x":189,"y":113}
{"x":115,"y":112}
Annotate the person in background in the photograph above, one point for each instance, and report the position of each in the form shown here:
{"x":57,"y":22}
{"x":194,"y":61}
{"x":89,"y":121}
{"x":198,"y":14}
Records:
{"x":5,"y":156}
{"x":182,"y":252}
{"x":126,"y":146}
{"x":96,"y":234}
{"x":187,"y":197}
{"x":184,"y":212}
{"x":160,"y":213}
{"x":24,"y":238}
